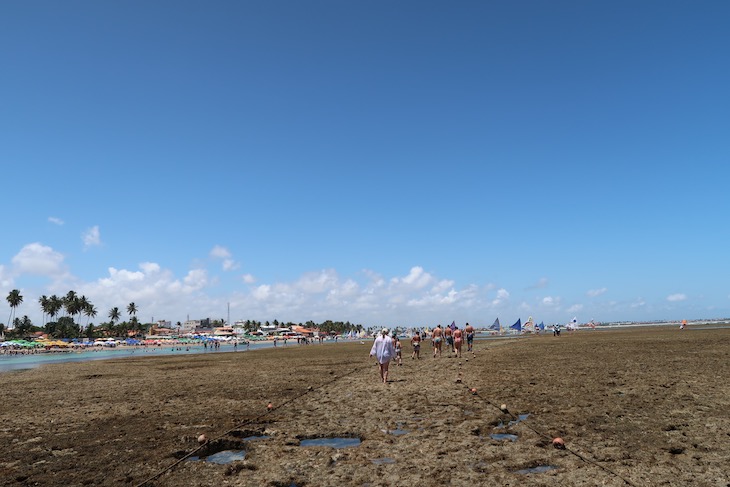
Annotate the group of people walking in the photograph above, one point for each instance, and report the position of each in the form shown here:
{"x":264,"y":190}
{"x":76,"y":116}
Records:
{"x":454,"y":338}
{"x":386,"y":348}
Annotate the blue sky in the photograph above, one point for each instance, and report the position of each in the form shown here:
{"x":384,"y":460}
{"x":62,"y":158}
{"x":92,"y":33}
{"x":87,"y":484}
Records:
{"x":387,"y":163}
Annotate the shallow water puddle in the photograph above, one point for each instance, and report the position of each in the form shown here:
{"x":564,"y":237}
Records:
{"x":503,"y":436}
{"x":398,"y":431}
{"x":255,"y":438}
{"x":383,"y":461}
{"x":332,"y":442}
{"x":222,"y":457}
{"x":537,"y":469}
{"x":519,"y":419}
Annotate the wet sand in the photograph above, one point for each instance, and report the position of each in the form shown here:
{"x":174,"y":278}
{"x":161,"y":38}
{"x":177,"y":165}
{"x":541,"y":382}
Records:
{"x":634,"y":407}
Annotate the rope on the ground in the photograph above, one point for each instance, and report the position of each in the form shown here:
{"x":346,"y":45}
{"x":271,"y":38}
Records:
{"x":544,"y":435}
{"x":247,"y":422}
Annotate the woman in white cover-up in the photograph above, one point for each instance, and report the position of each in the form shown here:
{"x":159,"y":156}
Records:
{"x":383,"y":350}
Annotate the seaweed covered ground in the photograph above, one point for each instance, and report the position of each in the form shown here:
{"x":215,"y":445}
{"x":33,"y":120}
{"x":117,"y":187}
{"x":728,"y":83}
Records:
{"x":639,"y":407}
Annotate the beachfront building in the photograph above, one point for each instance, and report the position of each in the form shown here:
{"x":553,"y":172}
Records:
{"x":307,"y":332}
{"x":272,"y":330}
{"x":238,"y":328}
{"x":224,"y":331}
{"x":195,"y":326}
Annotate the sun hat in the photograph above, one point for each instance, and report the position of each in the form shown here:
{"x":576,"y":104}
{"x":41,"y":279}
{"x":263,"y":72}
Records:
{"x":385,"y":331}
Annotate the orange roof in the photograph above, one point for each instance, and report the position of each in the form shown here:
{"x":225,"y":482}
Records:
{"x":301,"y":329}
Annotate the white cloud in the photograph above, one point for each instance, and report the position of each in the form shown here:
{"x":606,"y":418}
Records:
{"x":596,"y":292}
{"x":416,"y":278}
{"x":123,"y":275}
{"x":149,"y":267}
{"x":221,"y":253}
{"x":350,"y":288}
{"x":502,"y":296}
{"x":262,"y":292}
{"x":676,"y":297}
{"x":55,"y":221}
{"x":38,"y":259}
{"x":411,"y":297}
{"x":6,"y":281}
{"x":196,"y":279}
{"x":154,"y":290}
{"x":91,"y":237}
{"x":317,"y":282}
{"x":442,"y":286}
{"x":575,"y":308}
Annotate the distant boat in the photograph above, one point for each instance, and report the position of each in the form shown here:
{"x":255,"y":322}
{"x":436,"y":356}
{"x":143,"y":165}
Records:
{"x":528,"y":326}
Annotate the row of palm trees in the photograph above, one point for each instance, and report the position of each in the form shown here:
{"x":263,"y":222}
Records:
{"x":71,"y":305}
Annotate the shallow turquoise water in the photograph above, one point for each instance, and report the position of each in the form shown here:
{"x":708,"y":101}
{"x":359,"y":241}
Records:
{"x":332,"y":442}
{"x":30,"y":361}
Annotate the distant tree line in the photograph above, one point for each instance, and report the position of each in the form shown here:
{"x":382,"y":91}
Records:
{"x":62,"y":318}
{"x":59,"y":319}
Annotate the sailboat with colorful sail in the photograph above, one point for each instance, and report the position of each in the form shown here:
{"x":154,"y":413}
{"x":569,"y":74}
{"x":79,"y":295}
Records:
{"x":528,"y":326}
{"x":495,"y":326}
{"x":573,"y":325}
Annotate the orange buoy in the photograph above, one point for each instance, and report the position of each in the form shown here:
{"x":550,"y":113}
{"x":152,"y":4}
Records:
{"x":270,"y":406}
{"x":474,"y":391}
{"x":558,"y":443}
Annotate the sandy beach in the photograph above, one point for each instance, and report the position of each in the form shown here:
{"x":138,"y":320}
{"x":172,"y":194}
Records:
{"x":634,"y":407}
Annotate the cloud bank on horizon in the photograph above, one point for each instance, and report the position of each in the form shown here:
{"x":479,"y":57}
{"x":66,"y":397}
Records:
{"x":417,"y":298}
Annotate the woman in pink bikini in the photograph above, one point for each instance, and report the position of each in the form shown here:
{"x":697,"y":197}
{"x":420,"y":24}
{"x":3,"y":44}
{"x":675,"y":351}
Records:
{"x":458,"y":338}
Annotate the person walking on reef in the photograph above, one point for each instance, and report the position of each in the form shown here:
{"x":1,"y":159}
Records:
{"x":449,"y":334}
{"x":383,"y":350}
{"x":436,"y":337}
{"x":469,"y":337}
{"x":416,"y":343}
{"x":458,"y":339}
{"x":398,"y":350}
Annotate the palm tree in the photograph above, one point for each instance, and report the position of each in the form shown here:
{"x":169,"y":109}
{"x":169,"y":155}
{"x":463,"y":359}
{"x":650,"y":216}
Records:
{"x":83,"y":303}
{"x":54,"y":306}
{"x":73,"y":308}
{"x":132,"y":309}
{"x":69,"y":302}
{"x":23,"y":326}
{"x":114,"y":315}
{"x":44,"y":302}
{"x":89,"y":311}
{"x":14,"y":299}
